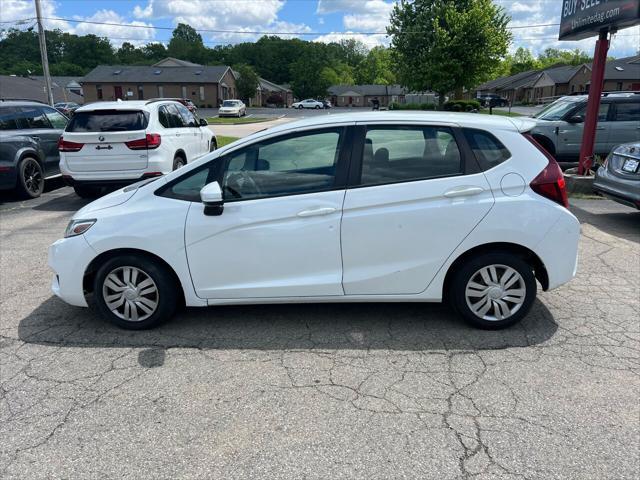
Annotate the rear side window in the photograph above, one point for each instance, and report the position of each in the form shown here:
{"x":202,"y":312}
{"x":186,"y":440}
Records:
{"x":8,"y":119}
{"x":489,"y":151}
{"x":173,"y":117}
{"x":56,"y":119}
{"x":33,"y":117}
{"x":108,"y":121}
{"x":401,"y":154}
{"x":628,"y":112}
{"x":163,"y":117}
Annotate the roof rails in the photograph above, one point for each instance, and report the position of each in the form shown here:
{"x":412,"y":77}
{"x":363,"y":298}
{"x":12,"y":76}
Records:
{"x":22,"y":100}
{"x":621,"y":92}
{"x":154,"y":100}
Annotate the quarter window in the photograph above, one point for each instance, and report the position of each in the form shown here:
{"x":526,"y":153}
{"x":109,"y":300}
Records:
{"x":8,"y":119}
{"x":175,"y":120}
{"x":488,"y":150}
{"x":402,"y":154}
{"x":294,"y":165}
{"x":628,"y":112}
{"x":56,"y":118}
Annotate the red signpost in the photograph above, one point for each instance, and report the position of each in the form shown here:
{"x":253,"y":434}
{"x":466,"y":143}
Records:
{"x":586,"y":18}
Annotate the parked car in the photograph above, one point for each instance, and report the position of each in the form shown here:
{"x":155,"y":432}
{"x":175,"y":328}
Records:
{"x":184,"y":101}
{"x":308,"y":103}
{"x":232,"y":108}
{"x":619,"y":177}
{"x":117,"y":143}
{"x":560,"y":125}
{"x":29,"y":133}
{"x":338,"y":208}
{"x":66,"y":108}
{"x":492,"y":100}
{"x":326,"y":104}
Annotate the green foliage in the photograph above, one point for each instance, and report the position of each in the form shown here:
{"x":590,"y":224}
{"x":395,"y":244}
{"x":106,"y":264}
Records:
{"x":446,"y":45}
{"x":186,"y":44}
{"x":307,"y":83}
{"x":247,"y":82}
{"x":523,"y":60}
{"x":413,"y":106}
{"x":376,"y":68}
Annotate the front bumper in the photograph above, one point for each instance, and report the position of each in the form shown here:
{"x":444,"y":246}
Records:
{"x":228,"y":114}
{"x":69,"y":259}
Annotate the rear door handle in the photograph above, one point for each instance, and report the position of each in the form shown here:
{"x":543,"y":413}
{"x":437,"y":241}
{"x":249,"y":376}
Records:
{"x":463,"y":191}
{"x":316,"y":212}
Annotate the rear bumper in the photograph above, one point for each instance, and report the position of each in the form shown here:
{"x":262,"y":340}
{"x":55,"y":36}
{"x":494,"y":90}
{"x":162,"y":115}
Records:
{"x":626,"y":192}
{"x":72,"y":181}
{"x":8,"y":177}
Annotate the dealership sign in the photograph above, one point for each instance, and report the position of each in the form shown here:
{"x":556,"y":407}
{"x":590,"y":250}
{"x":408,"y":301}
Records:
{"x":585,"y":18}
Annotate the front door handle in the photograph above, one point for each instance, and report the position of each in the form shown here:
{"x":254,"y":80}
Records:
{"x":463,"y":191}
{"x":316,"y":212}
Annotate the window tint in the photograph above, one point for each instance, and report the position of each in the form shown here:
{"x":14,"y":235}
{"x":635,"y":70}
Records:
{"x":163,"y":117}
{"x":108,"y":121}
{"x":33,"y":117}
{"x":603,"y":111}
{"x":300,"y":164}
{"x":187,"y":117}
{"x":175,"y":120}
{"x":628,"y":112}
{"x":8,"y":119}
{"x":489,"y":151}
{"x":400,"y":154}
{"x":56,"y":118}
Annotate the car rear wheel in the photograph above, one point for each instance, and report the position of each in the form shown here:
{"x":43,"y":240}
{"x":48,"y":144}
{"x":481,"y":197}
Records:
{"x":300,"y":107}
{"x":317,"y":107}
{"x":135,"y":292}
{"x":178,"y":162}
{"x":494,"y":290}
{"x":30,"y":178}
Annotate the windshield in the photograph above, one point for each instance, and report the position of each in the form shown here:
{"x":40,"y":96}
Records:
{"x":229,"y":103}
{"x":556,"y":110}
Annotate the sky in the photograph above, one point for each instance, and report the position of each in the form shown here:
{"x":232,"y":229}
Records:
{"x":233,"y":21}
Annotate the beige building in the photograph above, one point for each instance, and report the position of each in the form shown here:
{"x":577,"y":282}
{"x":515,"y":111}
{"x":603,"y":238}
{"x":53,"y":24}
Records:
{"x":366,"y":95}
{"x":205,"y":86}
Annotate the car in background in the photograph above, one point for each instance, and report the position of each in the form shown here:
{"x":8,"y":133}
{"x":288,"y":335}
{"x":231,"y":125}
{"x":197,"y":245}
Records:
{"x":619,"y":176}
{"x":308,"y":103}
{"x":492,"y":100}
{"x":335,"y":208}
{"x":66,"y":108}
{"x":184,"y":101}
{"x":559,"y":125}
{"x":109,"y":144}
{"x":232,"y":108}
{"x":29,"y":133}
{"x":326,"y":104}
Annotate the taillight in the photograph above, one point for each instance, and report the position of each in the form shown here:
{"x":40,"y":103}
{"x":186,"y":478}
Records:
{"x":550,"y":182}
{"x":150,"y":141}
{"x":67,"y":146}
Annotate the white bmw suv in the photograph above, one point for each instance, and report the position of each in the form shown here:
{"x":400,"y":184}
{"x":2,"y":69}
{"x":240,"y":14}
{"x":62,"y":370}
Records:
{"x":367,"y":207}
{"x":117,"y":143}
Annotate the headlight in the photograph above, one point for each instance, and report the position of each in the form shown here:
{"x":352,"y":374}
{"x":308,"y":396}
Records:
{"x":78,"y":227}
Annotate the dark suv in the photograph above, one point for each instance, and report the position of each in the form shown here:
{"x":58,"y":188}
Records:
{"x":29,"y":133}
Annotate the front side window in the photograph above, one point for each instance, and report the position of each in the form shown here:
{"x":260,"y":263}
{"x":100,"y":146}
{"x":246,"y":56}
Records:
{"x":628,"y":112}
{"x":32,"y":117}
{"x":297,"y":164}
{"x":603,"y":112}
{"x":401,"y":154}
{"x":56,"y":118}
{"x":187,"y":117}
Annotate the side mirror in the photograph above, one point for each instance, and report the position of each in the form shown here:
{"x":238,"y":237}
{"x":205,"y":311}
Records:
{"x":203,"y":122}
{"x":575,"y":119}
{"x":211,"y":196}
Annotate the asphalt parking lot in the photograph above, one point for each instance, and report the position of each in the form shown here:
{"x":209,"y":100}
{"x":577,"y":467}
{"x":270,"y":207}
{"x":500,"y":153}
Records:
{"x":321,"y":391}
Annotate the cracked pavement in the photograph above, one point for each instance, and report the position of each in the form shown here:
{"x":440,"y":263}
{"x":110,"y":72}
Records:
{"x":371,"y":391}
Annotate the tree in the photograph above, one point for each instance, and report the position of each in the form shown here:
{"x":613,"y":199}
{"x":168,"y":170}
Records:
{"x":522,"y":61}
{"x":555,"y":56}
{"x":376,"y":68}
{"x":447,"y":45}
{"x":186,"y":44}
{"x":128,"y":54}
{"x":306,"y":79}
{"x":246,"y":83}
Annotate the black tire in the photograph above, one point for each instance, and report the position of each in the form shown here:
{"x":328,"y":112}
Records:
{"x":84,"y":191}
{"x":30,"y":182}
{"x":470,"y":271}
{"x":300,"y":107}
{"x":317,"y":107}
{"x":178,"y":161}
{"x":213,"y":144}
{"x":165,"y":283}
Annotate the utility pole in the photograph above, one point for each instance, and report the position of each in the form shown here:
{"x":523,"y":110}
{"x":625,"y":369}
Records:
{"x":43,"y":54}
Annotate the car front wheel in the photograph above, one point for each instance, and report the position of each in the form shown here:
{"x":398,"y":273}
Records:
{"x":135,"y":292}
{"x":30,"y":178}
{"x":494,"y":290}
{"x":178,"y":162}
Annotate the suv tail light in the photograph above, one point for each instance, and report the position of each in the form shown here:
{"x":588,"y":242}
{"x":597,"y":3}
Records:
{"x":67,"y":146}
{"x":550,"y":182}
{"x":150,"y":141}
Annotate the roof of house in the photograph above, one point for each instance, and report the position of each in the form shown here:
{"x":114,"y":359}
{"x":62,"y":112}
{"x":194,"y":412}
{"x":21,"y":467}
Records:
{"x":62,"y":81}
{"x":563,"y":73}
{"x":272,"y":87}
{"x":380,"y":90}
{"x":34,"y":89}
{"x":512,"y":81}
{"x":150,"y":73}
{"x":627,"y":68}
{"x":175,"y":62}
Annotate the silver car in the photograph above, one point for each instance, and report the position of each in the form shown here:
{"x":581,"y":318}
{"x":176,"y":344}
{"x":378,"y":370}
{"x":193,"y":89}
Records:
{"x":560,"y":125}
{"x":619,"y":178}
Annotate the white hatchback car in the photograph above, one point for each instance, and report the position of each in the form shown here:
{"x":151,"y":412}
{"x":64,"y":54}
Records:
{"x":118,"y":143}
{"x":308,"y":103}
{"x":367,"y":207}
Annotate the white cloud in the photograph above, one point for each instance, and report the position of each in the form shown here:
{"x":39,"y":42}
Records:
{"x":369,"y":41}
{"x":13,"y":10}
{"x":117,"y":34}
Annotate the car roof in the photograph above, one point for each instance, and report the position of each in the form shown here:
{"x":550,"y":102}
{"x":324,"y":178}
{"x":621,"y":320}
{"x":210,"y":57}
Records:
{"x":18,"y":103}
{"x":469,"y":120}
{"x":144,"y":105}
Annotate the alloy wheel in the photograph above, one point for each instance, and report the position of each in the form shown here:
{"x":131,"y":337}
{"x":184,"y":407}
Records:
{"x":495,"y":292}
{"x":33,"y":179}
{"x":130,"y":294}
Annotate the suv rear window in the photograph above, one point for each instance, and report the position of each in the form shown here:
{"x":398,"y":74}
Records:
{"x":488,"y":150}
{"x":108,"y":121}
